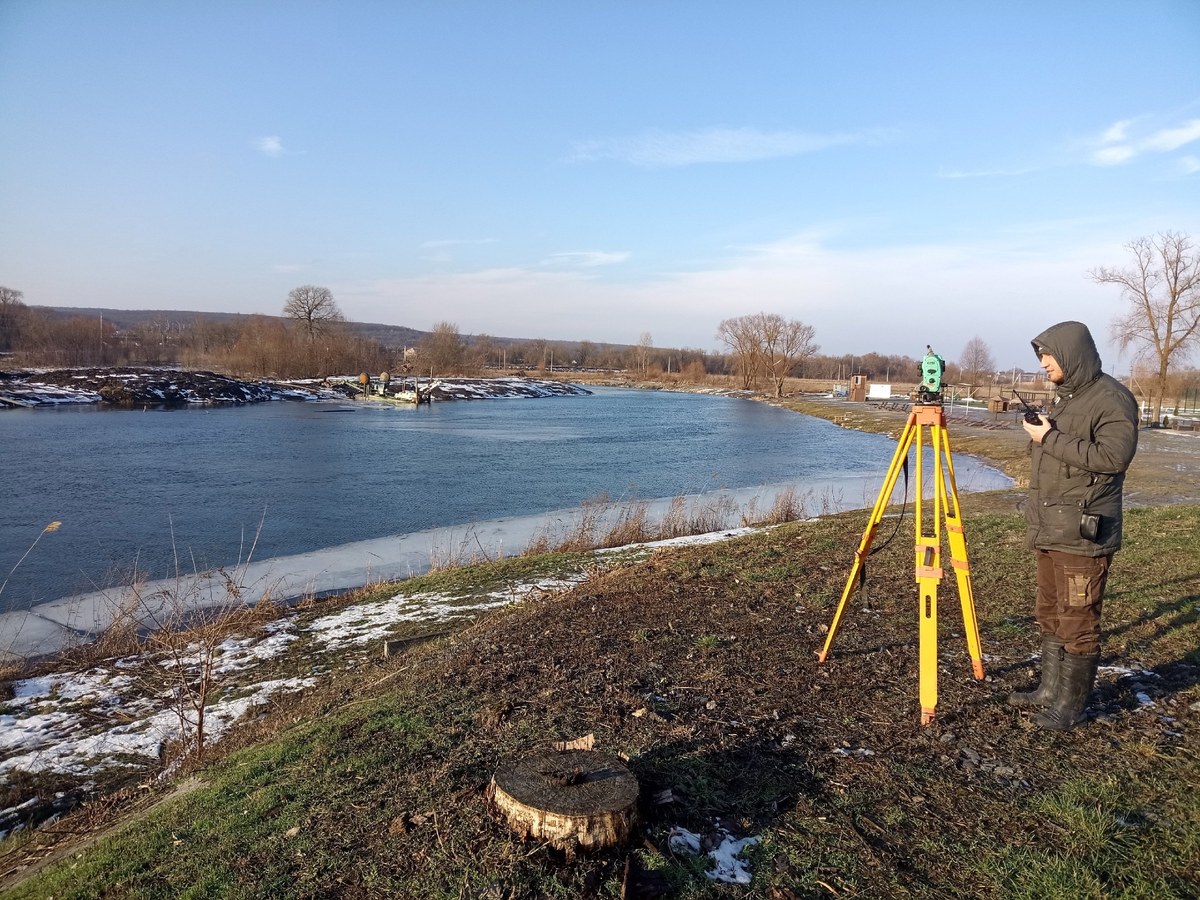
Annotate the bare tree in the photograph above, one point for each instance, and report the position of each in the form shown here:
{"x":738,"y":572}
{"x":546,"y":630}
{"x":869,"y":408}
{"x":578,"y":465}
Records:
{"x":1162,"y":289}
{"x":537,"y":352}
{"x":767,"y":343}
{"x":740,"y":336}
{"x":784,"y":343}
{"x":313,"y":309}
{"x":12,"y":313}
{"x":442,"y":351}
{"x":977,"y":361}
{"x":483,"y":348}
{"x":642,"y":353}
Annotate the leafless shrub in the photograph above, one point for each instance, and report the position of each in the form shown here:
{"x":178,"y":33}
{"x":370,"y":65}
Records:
{"x":181,"y":653}
{"x":831,"y":500}
{"x":177,"y":633}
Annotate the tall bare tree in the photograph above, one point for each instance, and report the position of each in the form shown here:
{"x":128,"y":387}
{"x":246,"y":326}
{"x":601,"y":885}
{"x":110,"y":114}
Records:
{"x":313,"y":309}
{"x":12,"y":312}
{"x":769,"y":344}
{"x":977,"y":362}
{"x":784,"y":343}
{"x":740,"y":336}
{"x":1162,"y":289}
{"x":642,"y":352}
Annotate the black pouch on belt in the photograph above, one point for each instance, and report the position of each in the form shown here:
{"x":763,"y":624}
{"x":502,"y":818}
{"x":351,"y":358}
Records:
{"x":1089,"y":526}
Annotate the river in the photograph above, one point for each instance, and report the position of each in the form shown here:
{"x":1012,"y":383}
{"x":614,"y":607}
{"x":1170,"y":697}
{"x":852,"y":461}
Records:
{"x":152,"y":490}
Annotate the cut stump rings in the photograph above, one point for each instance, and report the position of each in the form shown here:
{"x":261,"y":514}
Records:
{"x":577,"y":798}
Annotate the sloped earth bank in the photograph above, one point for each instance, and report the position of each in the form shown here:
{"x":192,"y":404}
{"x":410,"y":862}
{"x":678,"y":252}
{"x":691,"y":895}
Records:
{"x":698,"y":663}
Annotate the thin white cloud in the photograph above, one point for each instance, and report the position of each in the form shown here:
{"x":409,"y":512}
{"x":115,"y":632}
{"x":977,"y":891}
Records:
{"x":1173,"y":138}
{"x":857,"y":298}
{"x":269,"y":146}
{"x":988,"y":173}
{"x":1119,"y":148}
{"x":1116,"y":132}
{"x":1111,"y":156}
{"x":1117,"y":144}
{"x":432,"y":245}
{"x":658,"y":149}
{"x":1189,"y":165}
{"x":587,"y":258}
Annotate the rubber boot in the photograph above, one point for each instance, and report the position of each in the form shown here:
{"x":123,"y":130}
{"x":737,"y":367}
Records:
{"x":1047,"y":691}
{"x":1074,"y":687}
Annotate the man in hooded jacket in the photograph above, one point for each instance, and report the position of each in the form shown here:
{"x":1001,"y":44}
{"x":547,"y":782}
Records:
{"x":1079,"y":454}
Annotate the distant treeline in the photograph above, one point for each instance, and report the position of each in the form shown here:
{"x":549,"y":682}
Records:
{"x":291,"y":347}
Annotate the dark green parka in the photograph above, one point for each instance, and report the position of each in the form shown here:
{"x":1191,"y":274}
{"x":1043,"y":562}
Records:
{"x":1079,"y":468}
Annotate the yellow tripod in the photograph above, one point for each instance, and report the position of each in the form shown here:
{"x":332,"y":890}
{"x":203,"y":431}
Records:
{"x":928,"y":549}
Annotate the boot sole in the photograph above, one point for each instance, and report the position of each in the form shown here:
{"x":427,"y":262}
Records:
{"x":1047,"y":724}
{"x":1026,"y":704}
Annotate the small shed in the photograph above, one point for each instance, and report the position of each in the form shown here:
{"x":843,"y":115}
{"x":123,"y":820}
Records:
{"x":858,"y":388}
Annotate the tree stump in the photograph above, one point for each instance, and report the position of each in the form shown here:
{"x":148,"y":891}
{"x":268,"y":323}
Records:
{"x":577,"y":798}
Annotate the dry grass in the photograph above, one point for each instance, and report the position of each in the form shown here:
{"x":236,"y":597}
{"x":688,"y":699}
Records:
{"x":787,"y":507}
{"x":601,"y":523}
{"x":457,"y":553}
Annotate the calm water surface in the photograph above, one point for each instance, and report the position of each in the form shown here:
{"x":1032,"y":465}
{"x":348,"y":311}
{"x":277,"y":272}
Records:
{"x":122,"y":482}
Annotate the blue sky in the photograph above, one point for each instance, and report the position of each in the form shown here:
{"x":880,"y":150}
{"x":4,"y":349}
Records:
{"x":894,"y":174}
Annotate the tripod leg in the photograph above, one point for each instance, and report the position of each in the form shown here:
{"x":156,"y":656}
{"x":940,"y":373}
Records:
{"x":958,"y":559}
{"x":929,"y":576}
{"x":864,"y":547}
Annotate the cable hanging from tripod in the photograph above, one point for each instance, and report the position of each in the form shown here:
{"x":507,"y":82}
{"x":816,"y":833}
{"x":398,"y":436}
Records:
{"x":862,"y":571}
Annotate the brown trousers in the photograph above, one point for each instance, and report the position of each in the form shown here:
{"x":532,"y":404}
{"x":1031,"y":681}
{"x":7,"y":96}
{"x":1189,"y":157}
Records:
{"x":1070,"y":597}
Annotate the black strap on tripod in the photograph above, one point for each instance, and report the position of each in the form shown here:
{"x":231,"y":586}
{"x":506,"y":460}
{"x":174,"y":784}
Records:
{"x":862,"y":570}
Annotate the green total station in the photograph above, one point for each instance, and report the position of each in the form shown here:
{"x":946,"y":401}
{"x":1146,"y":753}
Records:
{"x":932,"y":368}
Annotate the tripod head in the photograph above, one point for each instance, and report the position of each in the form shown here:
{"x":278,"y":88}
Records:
{"x":929,"y":393}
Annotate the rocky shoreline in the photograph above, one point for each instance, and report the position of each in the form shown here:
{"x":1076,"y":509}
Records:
{"x":127,"y":388}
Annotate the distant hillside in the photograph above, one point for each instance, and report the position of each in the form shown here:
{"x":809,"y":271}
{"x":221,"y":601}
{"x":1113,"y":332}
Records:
{"x":391,"y":336}
{"x":388,"y":335}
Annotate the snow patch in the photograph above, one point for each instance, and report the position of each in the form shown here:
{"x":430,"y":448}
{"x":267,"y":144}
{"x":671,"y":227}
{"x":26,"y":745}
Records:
{"x":727,"y":865}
